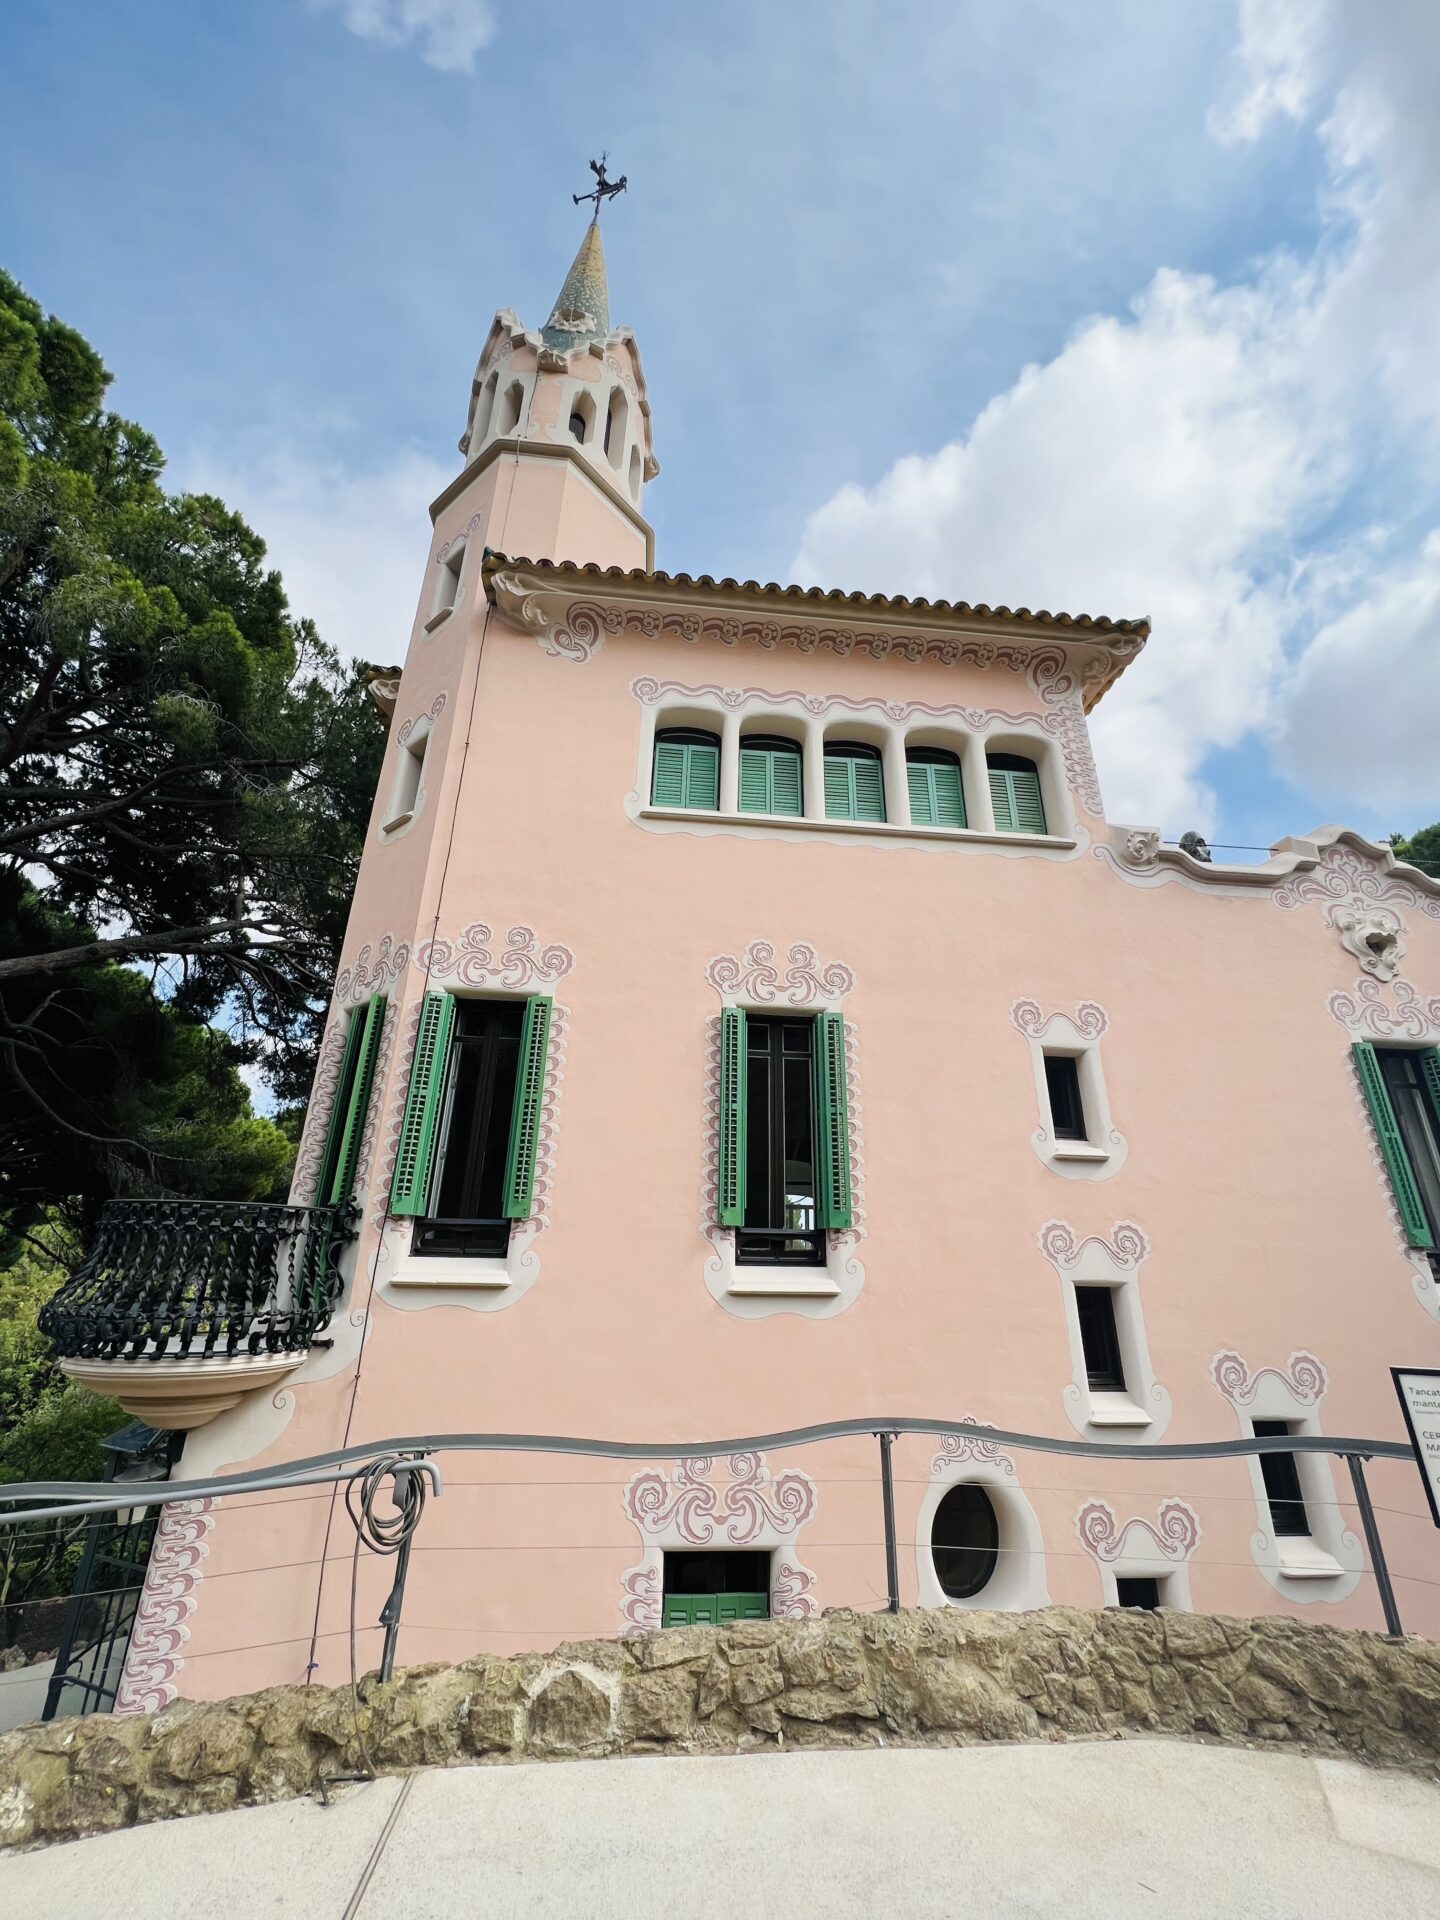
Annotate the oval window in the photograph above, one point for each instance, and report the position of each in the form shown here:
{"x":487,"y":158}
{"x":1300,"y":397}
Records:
{"x":965,"y":1542}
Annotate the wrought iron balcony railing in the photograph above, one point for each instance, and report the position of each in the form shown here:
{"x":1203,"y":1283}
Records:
{"x":196,"y":1279}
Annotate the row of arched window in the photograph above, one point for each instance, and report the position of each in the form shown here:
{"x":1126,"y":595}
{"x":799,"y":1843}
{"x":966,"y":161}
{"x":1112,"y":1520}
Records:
{"x":686,"y":773}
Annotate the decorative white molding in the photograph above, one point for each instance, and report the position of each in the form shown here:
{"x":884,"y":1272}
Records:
{"x":1365,"y":1013}
{"x":1158,"y":1550}
{"x":523,"y":965}
{"x":754,"y":1293}
{"x":754,"y":1509}
{"x":1332,"y":865}
{"x":1326,"y":1565}
{"x":1018,"y":1582}
{"x":373,"y":970}
{"x":753,"y":978}
{"x":167,"y":1600}
{"x":1105,"y":1149}
{"x":1375,"y":936}
{"x":432,"y":713}
{"x":1143,"y":1410}
{"x":563,"y":627}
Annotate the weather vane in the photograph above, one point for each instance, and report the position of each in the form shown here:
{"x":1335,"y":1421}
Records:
{"x":603,"y":190}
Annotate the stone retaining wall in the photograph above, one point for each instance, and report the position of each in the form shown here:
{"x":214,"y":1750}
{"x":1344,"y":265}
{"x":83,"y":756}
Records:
{"x":941,"y":1678}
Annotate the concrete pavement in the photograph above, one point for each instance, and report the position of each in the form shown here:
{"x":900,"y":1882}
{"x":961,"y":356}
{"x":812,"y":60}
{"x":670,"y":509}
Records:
{"x":1113,"y":1829}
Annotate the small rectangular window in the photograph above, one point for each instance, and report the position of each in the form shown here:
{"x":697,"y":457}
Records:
{"x":1100,"y":1339}
{"x":1281,"y":1474}
{"x":1137,"y":1590}
{"x":447,"y":585}
{"x":1067,"y":1111}
{"x":409,"y":777}
{"x":712,"y":1588}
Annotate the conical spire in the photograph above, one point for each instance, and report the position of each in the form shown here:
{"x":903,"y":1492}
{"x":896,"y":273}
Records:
{"x":582,"y":313}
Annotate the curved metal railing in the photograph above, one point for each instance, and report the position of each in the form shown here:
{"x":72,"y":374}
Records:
{"x":200,"y":1278}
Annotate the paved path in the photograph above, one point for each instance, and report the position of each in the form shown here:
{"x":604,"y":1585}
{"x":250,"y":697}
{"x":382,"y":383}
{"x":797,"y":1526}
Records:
{"x":1114,"y":1829}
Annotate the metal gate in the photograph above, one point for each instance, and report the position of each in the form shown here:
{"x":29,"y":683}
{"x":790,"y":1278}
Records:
{"x":95,"y":1636}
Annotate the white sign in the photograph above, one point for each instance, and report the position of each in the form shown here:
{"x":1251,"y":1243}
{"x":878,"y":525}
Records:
{"x":1419,"y":1391}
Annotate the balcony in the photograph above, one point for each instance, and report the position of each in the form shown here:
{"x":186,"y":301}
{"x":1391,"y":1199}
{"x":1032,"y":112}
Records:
{"x":181,"y":1307}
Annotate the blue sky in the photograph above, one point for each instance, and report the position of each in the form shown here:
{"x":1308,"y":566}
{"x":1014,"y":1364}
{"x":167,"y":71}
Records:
{"x":1129,"y":307}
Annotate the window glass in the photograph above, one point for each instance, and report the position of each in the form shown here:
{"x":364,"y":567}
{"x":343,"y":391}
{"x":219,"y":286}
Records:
{"x":468,"y":1194}
{"x":1418,"y":1122}
{"x":781,"y":1211}
{"x":1062,"y":1082}
{"x":1137,"y":1590}
{"x":1281,"y":1475}
{"x":1100,"y":1339}
{"x":965,"y":1541}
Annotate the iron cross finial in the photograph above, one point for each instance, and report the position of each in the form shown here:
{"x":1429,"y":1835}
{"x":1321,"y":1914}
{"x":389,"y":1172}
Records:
{"x":603,"y":190}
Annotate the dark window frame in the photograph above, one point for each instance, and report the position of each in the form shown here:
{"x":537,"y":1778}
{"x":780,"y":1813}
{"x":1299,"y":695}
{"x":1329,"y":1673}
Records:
{"x":1100,"y":1338}
{"x":967,"y":1568}
{"x":771,"y":1242}
{"x":1284,"y":1490}
{"x":1066,"y":1097}
{"x":460,"y":1225}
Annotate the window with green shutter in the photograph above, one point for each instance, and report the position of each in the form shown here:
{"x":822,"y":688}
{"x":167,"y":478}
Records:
{"x":712,"y":1587}
{"x":937,"y":797}
{"x":854,"y":781}
{"x":770,"y":775}
{"x":469,"y":1137}
{"x":686,"y":769}
{"x":346,"y":1127}
{"x":1402,"y":1090}
{"x":783,"y":1172}
{"x":1015,"y":794}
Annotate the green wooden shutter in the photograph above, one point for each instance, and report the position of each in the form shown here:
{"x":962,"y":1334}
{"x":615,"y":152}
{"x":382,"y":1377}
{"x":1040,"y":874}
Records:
{"x":868,"y":778}
{"x":832,"y":1117}
{"x":854,"y":787}
{"x":947,"y":795}
{"x":367,"y":1026}
{"x":335,"y":1125}
{"x":702,"y":776}
{"x":730,"y":1167}
{"x":754,"y":780}
{"x":1430,"y":1074}
{"x":785,"y":795}
{"x":415,"y":1156}
{"x":667,"y":786}
{"x":1392,"y":1146}
{"x":525,"y":1116}
{"x":1015,"y":795}
{"x":839,"y":788}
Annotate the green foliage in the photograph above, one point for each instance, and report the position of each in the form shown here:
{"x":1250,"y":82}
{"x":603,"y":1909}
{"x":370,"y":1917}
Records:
{"x":1421,"y":849}
{"x":185,"y":777}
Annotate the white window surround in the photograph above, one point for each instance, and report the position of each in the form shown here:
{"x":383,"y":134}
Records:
{"x":1105,"y":1149}
{"x":734,"y":713}
{"x":1326,"y":1565}
{"x":1018,"y":1583}
{"x":407,"y":790}
{"x":1142,"y":1412}
{"x":1158,"y":1550}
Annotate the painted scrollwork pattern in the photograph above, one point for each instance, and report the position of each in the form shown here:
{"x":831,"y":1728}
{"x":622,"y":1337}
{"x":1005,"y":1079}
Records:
{"x":1089,"y":1019}
{"x":1405,"y":1015}
{"x":1174,"y":1534}
{"x":470,"y":525}
{"x":373,"y":970}
{"x":166,"y":1603}
{"x":755,"y":975}
{"x":1303,"y":1377}
{"x":1128,"y":1245}
{"x":521,"y":965}
{"x":317,"y":1113}
{"x":957,"y":1448}
{"x":432,"y":713}
{"x":1345,"y":876}
{"x":687,"y":1508}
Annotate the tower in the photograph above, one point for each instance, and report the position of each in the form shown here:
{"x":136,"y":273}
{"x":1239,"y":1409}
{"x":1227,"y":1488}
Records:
{"x":557,"y":439}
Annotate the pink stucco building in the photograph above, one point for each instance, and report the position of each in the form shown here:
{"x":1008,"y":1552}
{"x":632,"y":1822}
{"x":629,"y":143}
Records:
{"x":749,"y":1018}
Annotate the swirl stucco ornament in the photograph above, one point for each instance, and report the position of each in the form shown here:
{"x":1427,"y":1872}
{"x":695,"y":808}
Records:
{"x":563,"y":627}
{"x":1375,"y":935}
{"x":471,"y":960}
{"x":1141,"y":847}
{"x":374,"y":969}
{"x":755,"y":975}
{"x":1089,"y":1019}
{"x":1127,"y":1246}
{"x":1303,"y":1378}
{"x":957,"y":1448}
{"x":1348,"y":877}
{"x":432,"y":713}
{"x":1173,"y":1535}
{"x":167,"y":1600}
{"x":1406,"y":1015}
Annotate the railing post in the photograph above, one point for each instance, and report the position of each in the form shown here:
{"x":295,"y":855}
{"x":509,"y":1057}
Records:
{"x":1355,"y":1462}
{"x":887,"y":1489}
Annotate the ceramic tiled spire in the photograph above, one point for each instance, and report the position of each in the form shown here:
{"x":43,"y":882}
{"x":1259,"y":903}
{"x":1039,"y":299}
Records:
{"x":582,"y":312}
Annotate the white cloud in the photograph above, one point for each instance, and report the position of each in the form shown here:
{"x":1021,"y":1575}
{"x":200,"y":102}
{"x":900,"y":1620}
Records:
{"x":1193,"y":460}
{"x":450,"y":32}
{"x":350,"y":545}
